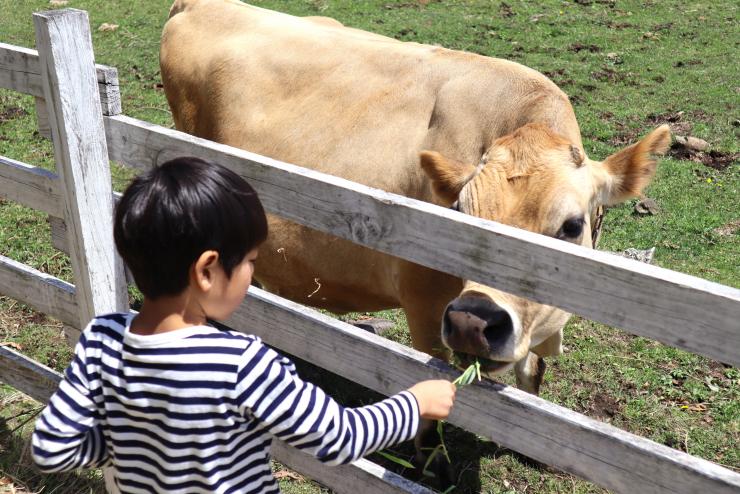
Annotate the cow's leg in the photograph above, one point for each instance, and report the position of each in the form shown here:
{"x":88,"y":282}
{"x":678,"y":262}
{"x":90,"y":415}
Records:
{"x":425,"y":326}
{"x":530,"y":371}
{"x":428,"y":442}
{"x":426,"y":337}
{"x":424,"y":294}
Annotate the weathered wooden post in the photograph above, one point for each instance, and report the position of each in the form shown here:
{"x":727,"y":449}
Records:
{"x":73,"y":104}
{"x":70,"y":87}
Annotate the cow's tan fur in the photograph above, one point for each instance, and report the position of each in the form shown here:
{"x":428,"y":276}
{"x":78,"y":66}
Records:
{"x":408,"y":118}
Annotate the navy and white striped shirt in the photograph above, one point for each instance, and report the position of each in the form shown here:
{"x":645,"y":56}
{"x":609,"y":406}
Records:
{"x":195,"y":410}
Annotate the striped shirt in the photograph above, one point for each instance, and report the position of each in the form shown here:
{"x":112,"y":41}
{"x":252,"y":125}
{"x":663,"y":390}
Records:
{"x":195,"y":410}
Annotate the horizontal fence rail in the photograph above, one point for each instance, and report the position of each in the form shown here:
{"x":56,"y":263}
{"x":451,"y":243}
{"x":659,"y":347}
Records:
{"x":525,"y":423}
{"x":43,"y":292}
{"x":363,"y":476}
{"x":671,"y":307}
{"x":31,"y":186}
{"x":20,"y":71}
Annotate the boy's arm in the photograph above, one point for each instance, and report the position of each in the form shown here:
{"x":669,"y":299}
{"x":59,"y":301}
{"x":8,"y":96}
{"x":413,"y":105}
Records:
{"x":67,"y":434}
{"x":302,"y":415}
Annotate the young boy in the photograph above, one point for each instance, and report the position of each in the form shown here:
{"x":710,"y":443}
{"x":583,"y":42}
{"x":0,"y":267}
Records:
{"x":175,"y":405}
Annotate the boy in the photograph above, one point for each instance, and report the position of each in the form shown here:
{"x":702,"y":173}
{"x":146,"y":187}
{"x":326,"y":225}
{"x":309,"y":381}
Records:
{"x":175,"y":405}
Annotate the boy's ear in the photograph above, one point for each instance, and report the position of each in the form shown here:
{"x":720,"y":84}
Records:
{"x":203,"y":272}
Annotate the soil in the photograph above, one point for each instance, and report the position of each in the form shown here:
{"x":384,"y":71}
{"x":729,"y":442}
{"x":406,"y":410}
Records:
{"x":604,"y":407}
{"x":10,"y":112}
{"x":713,"y":159}
{"x":729,"y":229}
{"x":577,"y":47}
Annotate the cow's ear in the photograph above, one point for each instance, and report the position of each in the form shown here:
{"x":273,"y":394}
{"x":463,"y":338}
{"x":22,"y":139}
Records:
{"x":631,"y":169}
{"x":448,"y":176}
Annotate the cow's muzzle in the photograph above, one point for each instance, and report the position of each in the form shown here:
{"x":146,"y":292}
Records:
{"x":475,"y":326}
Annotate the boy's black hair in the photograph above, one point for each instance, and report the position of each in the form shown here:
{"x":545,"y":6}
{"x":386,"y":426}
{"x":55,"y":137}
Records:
{"x":173,"y":213}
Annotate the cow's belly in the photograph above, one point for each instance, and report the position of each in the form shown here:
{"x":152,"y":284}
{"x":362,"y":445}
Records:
{"x":324,"y":271}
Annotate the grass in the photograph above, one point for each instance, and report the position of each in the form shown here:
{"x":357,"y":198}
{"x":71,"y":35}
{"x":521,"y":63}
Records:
{"x":628,"y":67}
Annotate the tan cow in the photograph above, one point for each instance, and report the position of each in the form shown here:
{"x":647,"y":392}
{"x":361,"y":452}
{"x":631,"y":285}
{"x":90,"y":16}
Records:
{"x":496,"y":139}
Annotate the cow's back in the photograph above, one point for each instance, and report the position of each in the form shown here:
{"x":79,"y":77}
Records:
{"x":312,"y":92}
{"x":336,"y":99}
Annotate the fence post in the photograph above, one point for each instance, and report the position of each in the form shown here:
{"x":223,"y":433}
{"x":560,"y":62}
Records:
{"x":71,"y":92}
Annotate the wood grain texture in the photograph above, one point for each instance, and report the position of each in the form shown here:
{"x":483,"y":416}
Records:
{"x":20,"y":71}
{"x":27,"y":375}
{"x":70,"y":90}
{"x":671,"y":307}
{"x":43,"y":292}
{"x":363,"y":476}
{"x":30,"y":186}
{"x":549,"y":433}
{"x":42,"y":117}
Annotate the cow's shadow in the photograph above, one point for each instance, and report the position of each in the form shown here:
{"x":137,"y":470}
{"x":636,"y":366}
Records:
{"x":467,"y":451}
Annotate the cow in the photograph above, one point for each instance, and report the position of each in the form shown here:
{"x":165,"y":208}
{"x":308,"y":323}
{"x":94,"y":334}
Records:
{"x":487,"y":136}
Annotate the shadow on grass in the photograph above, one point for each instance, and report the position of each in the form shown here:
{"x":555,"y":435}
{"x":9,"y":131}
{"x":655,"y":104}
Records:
{"x":466,"y":449}
{"x":16,"y":465}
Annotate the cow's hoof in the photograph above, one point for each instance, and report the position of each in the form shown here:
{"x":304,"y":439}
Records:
{"x":375,"y":325}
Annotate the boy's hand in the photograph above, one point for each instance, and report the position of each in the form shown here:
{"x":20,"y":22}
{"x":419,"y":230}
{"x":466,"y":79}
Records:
{"x":435,"y":398}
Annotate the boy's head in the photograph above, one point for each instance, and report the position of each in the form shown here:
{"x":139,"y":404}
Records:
{"x":173,"y":213}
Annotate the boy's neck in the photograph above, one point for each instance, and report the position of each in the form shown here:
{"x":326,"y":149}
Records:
{"x":166,"y":314}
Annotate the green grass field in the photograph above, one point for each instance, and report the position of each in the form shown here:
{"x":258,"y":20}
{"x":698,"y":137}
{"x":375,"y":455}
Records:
{"x":628,"y":67}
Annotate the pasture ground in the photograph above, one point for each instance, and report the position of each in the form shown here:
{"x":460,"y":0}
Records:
{"x":627,"y":65}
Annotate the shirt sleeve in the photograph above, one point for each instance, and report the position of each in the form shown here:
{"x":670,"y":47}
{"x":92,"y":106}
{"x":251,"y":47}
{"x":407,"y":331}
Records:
{"x":302,"y":415}
{"x":68,"y":434}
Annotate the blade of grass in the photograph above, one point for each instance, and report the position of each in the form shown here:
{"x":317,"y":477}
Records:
{"x":396,"y":459}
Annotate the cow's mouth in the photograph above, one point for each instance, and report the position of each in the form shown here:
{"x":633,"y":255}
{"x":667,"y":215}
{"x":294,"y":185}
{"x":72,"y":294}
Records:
{"x":487,"y":366}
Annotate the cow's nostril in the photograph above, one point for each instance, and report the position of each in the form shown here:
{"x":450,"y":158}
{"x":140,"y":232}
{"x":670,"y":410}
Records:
{"x":499,"y":329}
{"x":476,"y":324}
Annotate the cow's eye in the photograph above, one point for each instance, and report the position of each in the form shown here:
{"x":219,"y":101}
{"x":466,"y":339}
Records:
{"x":571,"y":229}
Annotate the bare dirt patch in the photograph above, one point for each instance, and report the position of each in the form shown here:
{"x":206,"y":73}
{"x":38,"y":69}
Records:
{"x":604,"y":407}
{"x":624,"y":136}
{"x":729,"y":229}
{"x":607,"y":74}
{"x":559,"y":77}
{"x":578,"y":47}
{"x":676,"y":120}
{"x":506,"y":11}
{"x":609,"y":3}
{"x":713,"y":159}
{"x":8,"y":113}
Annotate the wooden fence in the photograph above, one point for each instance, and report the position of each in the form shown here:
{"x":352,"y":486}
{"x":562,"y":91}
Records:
{"x":676,"y":309}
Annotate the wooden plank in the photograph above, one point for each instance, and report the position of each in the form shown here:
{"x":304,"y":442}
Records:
{"x":59,"y":234}
{"x":535,"y":427}
{"x":20,"y":71}
{"x":27,"y":375}
{"x":70,"y":89}
{"x":59,"y":237}
{"x":674,"y":308}
{"x":31,"y":186}
{"x":42,"y":117}
{"x":41,"y":291}
{"x":363,"y":476}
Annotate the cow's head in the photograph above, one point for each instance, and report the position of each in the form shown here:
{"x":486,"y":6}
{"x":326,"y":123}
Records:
{"x":536,"y":180}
